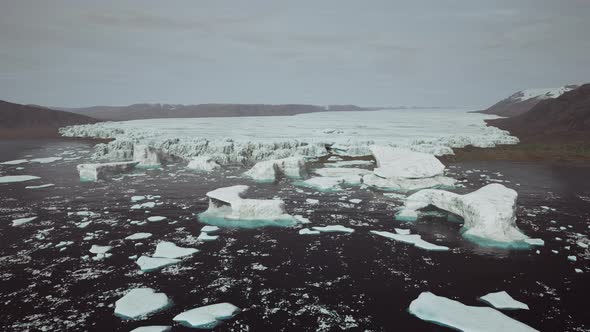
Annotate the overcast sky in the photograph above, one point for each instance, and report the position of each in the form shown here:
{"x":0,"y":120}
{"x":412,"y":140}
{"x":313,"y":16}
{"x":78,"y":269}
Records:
{"x":438,"y":52}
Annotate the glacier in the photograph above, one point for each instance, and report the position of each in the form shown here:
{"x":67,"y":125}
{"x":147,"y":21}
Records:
{"x":247,"y":140}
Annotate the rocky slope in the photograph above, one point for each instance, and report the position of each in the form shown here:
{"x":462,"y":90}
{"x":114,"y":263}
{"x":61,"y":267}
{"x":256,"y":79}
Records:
{"x":523,"y":101}
{"x":154,"y":111}
{"x":563,"y":119}
{"x":18,"y":120}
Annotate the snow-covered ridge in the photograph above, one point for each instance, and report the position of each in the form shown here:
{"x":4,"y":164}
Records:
{"x":543,"y":93}
{"x":252,"y":139}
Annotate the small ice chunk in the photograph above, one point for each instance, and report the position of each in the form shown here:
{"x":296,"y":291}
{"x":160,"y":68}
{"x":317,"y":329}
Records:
{"x":402,"y":231}
{"x":209,"y":229}
{"x":333,"y":228}
{"x":206,"y":237}
{"x":312,"y":201}
{"x":167,"y":249}
{"x":138,"y":236}
{"x":40,"y":186}
{"x":414,"y":239}
{"x":502,"y":300}
{"x":139,"y":303}
{"x":22,"y":221}
{"x":535,"y":242}
{"x":153,"y":328}
{"x":207,"y":317}
{"x":582,"y":244}
{"x":14,"y":162}
{"x":148,"y":264}
{"x":96,"y":249}
{"x":355,"y":200}
{"x":137,"y":198}
{"x":324,"y":183}
{"x":146,"y":205}
{"x":45,"y":160}
{"x":572,"y":258}
{"x":17,"y":178}
{"x":456,"y":315}
{"x":156,"y":218}
{"x":307,"y":231}
{"x":406,"y":215}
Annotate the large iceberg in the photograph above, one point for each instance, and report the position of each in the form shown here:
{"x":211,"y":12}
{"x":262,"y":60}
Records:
{"x":95,"y":172}
{"x":203,"y":164}
{"x":140,"y":302}
{"x":272,"y":170}
{"x":207,"y":317}
{"x":147,"y":156}
{"x":454,"y":314}
{"x":489,"y":212}
{"x":227,"y":203}
{"x":401,"y":169}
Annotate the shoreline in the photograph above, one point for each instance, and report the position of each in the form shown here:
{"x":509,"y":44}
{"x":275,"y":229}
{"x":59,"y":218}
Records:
{"x":567,"y":152}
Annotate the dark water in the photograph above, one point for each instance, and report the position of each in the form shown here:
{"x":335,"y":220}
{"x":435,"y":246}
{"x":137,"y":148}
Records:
{"x":283,"y":281}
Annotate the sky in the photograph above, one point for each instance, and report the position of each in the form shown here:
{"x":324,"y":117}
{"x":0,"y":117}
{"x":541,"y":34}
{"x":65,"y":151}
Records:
{"x":464,"y":53}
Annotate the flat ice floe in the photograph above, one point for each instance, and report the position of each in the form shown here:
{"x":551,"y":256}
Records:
{"x":14,"y":162}
{"x":17,"y":178}
{"x":227,"y":204}
{"x":272,"y":170}
{"x":139,"y":303}
{"x":139,"y":236}
{"x":153,"y":328}
{"x":502,"y":300}
{"x":100,"y":252}
{"x":414,"y":239}
{"x":167,"y":249}
{"x":207,"y":317}
{"x":454,"y":314}
{"x":489,"y":212}
{"x":148,"y":264}
{"x":156,"y":218}
{"x":233,"y":141}
{"x":333,"y":229}
{"x":22,"y":221}
{"x":307,"y":231}
{"x":40,"y":186}
{"x":95,"y":172}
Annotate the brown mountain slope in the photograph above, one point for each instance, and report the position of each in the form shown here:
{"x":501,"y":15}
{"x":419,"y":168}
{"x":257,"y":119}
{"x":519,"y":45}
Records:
{"x":18,"y":120}
{"x":154,"y":111}
{"x":523,"y":101}
{"x":563,"y":119}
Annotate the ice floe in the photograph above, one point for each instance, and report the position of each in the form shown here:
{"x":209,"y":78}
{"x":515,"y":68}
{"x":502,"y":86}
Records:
{"x":489,"y":212}
{"x":502,"y":300}
{"x":138,"y":236}
{"x":100,"y":252}
{"x":148,"y":264}
{"x":153,"y":328}
{"x":40,"y":186}
{"x":333,"y":229}
{"x":17,"y":178}
{"x":146,"y":205}
{"x":203,"y":164}
{"x":167,"y":249}
{"x":156,"y":218}
{"x":405,"y":163}
{"x":456,"y":315}
{"x":95,"y":172}
{"x":272,"y":170}
{"x":207,"y":317}
{"x":139,"y":303}
{"x":14,"y":162}
{"x":22,"y":221}
{"x":45,"y":160}
{"x":414,"y":239}
{"x":307,"y":231}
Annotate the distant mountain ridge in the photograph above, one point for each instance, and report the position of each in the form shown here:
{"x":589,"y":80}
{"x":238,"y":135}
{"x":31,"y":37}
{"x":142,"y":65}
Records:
{"x":154,"y":111}
{"x":565,"y":118}
{"x":14,"y":115}
{"x":523,"y":101}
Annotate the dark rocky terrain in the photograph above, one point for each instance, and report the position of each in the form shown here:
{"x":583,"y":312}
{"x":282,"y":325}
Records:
{"x":18,"y":120}
{"x":517,"y":104}
{"x":559,"y":120}
{"x":154,"y":111}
